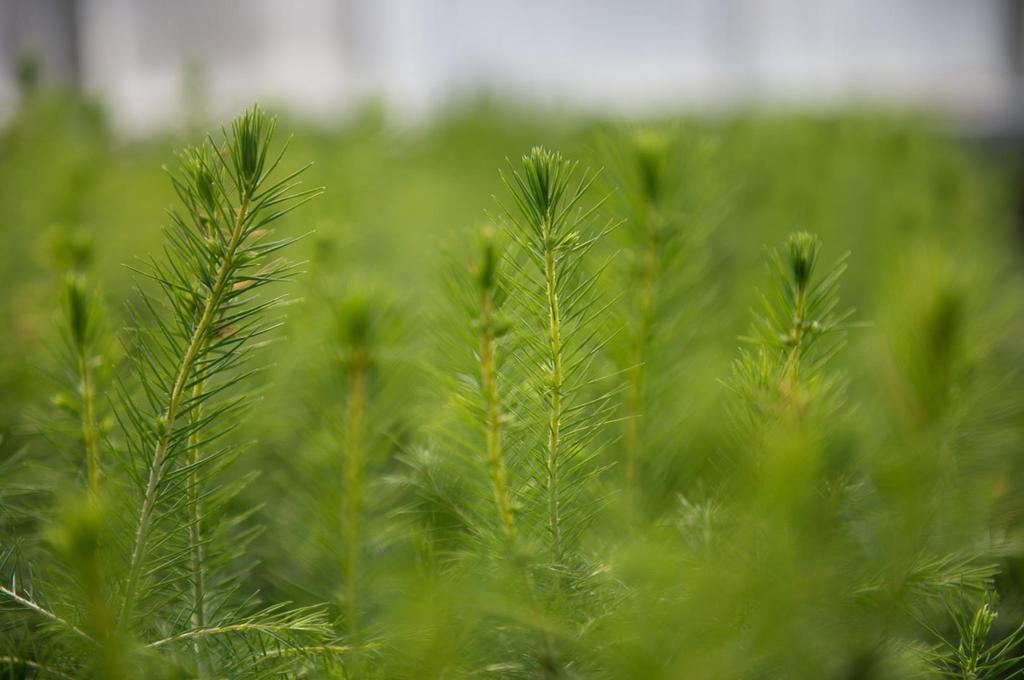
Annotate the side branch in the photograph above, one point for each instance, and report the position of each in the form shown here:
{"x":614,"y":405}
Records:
{"x":13,"y":595}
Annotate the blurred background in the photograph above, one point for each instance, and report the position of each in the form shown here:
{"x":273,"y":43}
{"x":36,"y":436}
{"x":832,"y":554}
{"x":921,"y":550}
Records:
{"x":145,"y":58}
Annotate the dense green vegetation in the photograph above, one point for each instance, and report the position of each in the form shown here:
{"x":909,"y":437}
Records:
{"x":692,"y":398}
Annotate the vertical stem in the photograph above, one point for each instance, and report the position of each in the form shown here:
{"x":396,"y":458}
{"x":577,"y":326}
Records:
{"x":796,"y":337}
{"x":636,"y":374}
{"x":634,"y":392}
{"x":555,"y":413}
{"x":161,"y":448}
{"x":90,"y":431}
{"x":355,"y":417}
{"x":195,"y":520}
{"x":492,"y":414}
{"x":100,"y":622}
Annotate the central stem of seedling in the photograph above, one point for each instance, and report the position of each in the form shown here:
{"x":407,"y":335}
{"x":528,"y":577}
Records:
{"x":165,"y":424}
{"x":90,"y":431}
{"x":555,"y":413}
{"x":645,"y":322}
{"x":492,"y":415}
{"x":355,"y":420}
{"x":796,"y":337}
{"x":196,"y":518}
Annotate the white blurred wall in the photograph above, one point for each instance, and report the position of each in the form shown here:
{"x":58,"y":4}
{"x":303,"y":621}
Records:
{"x":322,"y":56}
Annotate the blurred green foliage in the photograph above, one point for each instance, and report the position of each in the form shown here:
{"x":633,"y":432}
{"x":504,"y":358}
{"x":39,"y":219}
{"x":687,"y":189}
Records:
{"x":799,"y":552}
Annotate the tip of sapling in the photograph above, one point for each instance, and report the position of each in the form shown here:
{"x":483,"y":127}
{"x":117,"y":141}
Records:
{"x":70,"y":250}
{"x":353,"y":319}
{"x":77,"y":300}
{"x":542,"y":169}
{"x":251,"y":132}
{"x":650,"y":153}
{"x":803,"y":250}
{"x":361,"y":318}
{"x":490,"y":255}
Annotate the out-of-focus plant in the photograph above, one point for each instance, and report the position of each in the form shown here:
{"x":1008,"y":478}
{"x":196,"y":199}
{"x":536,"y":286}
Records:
{"x":972,"y":654}
{"x":659,"y":176}
{"x":85,"y":358}
{"x":481,"y":344}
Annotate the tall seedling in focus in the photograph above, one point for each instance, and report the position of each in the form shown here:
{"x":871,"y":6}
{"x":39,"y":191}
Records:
{"x":220,"y":253}
{"x":169,"y":592}
{"x":555,"y":233}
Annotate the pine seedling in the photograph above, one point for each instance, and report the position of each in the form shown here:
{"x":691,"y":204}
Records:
{"x":84,"y":359}
{"x":971,"y":654}
{"x":219,"y":256}
{"x":784,"y":392}
{"x":356,"y":329}
{"x":463,"y":490}
{"x":481,"y":341}
{"x":221,"y":253}
{"x":660,"y":183}
{"x":554,"y":234}
{"x":796,"y":332}
{"x":75,"y":427}
{"x":491,"y":328}
{"x":82,"y":316}
{"x":652,"y":167}
{"x":84,"y":354}
{"x":354,"y":409}
{"x":802,"y":321}
{"x":169,"y":594}
{"x":788,"y":402}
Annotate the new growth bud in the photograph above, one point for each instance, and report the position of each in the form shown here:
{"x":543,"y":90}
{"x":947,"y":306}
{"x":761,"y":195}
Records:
{"x":354,"y":322}
{"x":490,"y":255}
{"x":650,"y":149}
{"x":542,"y":171}
{"x":803,"y":254}
{"x":250,"y":136}
{"x":77,"y":301}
